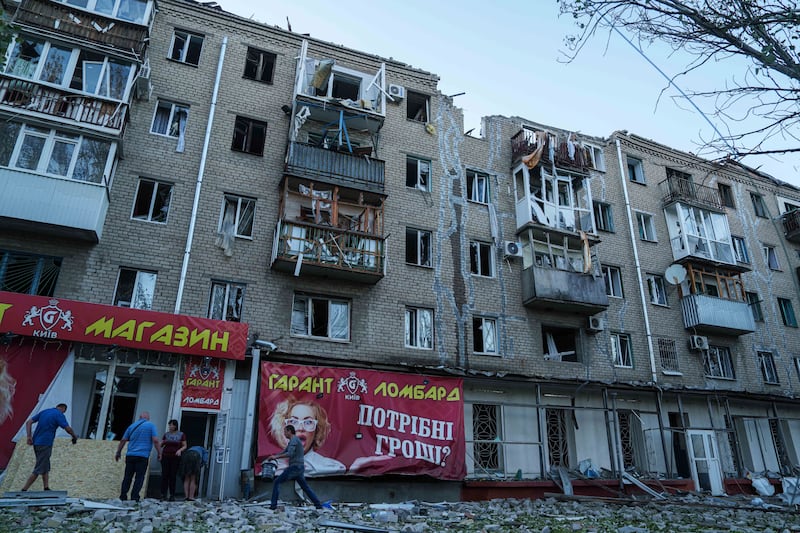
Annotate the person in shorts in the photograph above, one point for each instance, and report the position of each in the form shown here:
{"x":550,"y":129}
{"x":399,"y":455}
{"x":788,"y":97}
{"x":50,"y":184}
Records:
{"x":47,"y":423}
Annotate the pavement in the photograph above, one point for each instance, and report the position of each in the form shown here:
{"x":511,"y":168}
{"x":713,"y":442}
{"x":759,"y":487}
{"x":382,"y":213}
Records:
{"x":690,"y":513}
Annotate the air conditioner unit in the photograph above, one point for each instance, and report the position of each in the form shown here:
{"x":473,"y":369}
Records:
{"x":398,"y":92}
{"x":596,"y":324}
{"x":512,"y":249}
{"x":143,"y":88}
{"x":698,"y":342}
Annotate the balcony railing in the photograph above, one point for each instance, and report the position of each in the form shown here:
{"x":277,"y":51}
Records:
{"x":329,"y":251}
{"x":124,"y":36}
{"x":561,"y":290}
{"x":355,"y":171}
{"x":61,"y":103}
{"x":791,"y":225}
{"x":708,"y":314}
{"x":676,"y":189}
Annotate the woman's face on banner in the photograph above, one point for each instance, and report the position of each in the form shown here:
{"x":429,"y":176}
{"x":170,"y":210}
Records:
{"x":304,"y":420}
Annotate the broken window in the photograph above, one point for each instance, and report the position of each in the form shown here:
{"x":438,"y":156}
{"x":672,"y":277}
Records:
{"x":635,"y":170}
{"x":418,"y":173}
{"x":726,"y":195}
{"x":754,"y":301}
{"x":320,"y":317}
{"x":130,"y":10}
{"x":603,"y":216}
{"x":657,"y":289}
{"x":770,"y":257}
{"x":417,"y":106}
{"x":236,"y":220}
{"x":597,"y":156}
{"x":486,"y":438}
{"x":787,"y":312}
{"x":170,"y":119}
{"x":758,"y":205}
{"x":559,"y":344}
{"x":560,"y":257}
{"x":621,"y":350}
{"x":769,"y":371}
{"x":135,"y":288}
{"x":152,"y":201}
{"x":477,"y":187}
{"x":259,"y":65}
{"x":481,"y":259}
{"x":718,"y":363}
{"x":419,"y":328}
{"x":418,"y":247}
{"x":25,"y":57}
{"x":668,"y":354}
{"x":226,"y":302}
{"x":60,"y":153}
{"x":97,"y":74}
{"x":613,"y":280}
{"x":647,"y":227}
{"x":484,"y":335}
{"x":249,"y":136}
{"x":28,"y":273}
{"x":740,"y":249}
{"x":186,"y":47}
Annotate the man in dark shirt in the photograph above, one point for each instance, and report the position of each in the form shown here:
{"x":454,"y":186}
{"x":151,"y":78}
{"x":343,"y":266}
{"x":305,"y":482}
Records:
{"x":295,"y":470}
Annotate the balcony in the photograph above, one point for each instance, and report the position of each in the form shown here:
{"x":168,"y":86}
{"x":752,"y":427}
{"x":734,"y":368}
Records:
{"x":565,"y":150}
{"x":53,"y":206}
{"x":62,"y":105}
{"x":791,"y":225}
{"x":336,"y":168}
{"x":317,"y":250}
{"x":675,"y":189}
{"x":708,"y":314}
{"x":563,"y":291}
{"x":54,"y":17}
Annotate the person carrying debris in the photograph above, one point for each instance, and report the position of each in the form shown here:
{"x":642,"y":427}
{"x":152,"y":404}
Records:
{"x":141,"y":436}
{"x":295,"y":470}
{"x":47,"y":422}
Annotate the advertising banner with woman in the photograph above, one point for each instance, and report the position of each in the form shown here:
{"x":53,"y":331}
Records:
{"x":363,"y":422}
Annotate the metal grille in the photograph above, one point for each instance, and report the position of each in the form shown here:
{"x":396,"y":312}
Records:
{"x":732,"y":443}
{"x":557,"y":441}
{"x":780,"y":448}
{"x":625,"y":439}
{"x":485,"y":432}
{"x":668,"y":354}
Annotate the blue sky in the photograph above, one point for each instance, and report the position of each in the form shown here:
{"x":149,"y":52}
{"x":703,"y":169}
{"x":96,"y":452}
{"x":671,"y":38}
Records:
{"x":508,"y":57}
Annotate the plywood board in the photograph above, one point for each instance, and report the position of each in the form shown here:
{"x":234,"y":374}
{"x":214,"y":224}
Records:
{"x":85,"y":470}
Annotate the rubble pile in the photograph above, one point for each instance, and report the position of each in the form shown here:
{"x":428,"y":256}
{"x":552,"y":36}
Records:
{"x":689,"y":513}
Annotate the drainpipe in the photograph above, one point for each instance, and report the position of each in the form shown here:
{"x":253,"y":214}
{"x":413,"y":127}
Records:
{"x":199,"y":184}
{"x":648,"y":332}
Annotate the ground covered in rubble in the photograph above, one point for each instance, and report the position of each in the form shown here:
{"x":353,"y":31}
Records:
{"x":689,"y":513}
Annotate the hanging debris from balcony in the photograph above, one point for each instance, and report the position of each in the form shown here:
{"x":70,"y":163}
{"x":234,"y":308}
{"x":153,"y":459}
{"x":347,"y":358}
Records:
{"x":322,"y":73}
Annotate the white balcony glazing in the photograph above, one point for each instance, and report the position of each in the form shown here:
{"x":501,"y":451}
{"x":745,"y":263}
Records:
{"x":698,"y":233}
{"x":560,"y":201}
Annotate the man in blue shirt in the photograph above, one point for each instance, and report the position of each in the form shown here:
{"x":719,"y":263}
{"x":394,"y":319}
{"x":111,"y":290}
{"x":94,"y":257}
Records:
{"x":47,"y":423}
{"x":295,"y":470}
{"x":141,"y":436}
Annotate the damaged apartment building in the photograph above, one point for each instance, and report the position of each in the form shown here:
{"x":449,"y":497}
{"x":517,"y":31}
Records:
{"x":201,"y":213}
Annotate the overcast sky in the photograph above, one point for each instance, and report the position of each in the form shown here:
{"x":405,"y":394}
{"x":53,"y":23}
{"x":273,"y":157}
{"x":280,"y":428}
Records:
{"x":508,"y":58}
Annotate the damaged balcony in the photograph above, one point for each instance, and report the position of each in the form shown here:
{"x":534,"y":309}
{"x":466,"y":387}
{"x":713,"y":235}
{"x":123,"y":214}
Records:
{"x":678,"y":187}
{"x":561,"y":275}
{"x":333,"y":232}
{"x":716,"y":303}
{"x":126,"y":32}
{"x":356,"y":170}
{"x":64,"y":106}
{"x":532,"y":146}
{"x":791,"y":225}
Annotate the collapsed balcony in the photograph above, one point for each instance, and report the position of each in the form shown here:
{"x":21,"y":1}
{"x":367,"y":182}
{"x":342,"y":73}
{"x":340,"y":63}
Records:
{"x":331,"y":232}
{"x":126,"y":33}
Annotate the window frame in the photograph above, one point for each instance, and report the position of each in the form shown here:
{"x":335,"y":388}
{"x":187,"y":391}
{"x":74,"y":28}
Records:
{"x":769,"y":370}
{"x":770,"y":256}
{"x":603,"y":216}
{"x":754,"y":302}
{"x":185,"y":49}
{"x":420,"y":235}
{"x":414,"y":329}
{"x":740,"y":250}
{"x":418,"y":107}
{"x":633,"y":175}
{"x":646,"y":226}
{"x":139,"y":282}
{"x":479,"y":322}
{"x":722,"y":361}
{"x":551,"y":335}
{"x":310,"y":299}
{"x":479,"y":189}
{"x":421,"y":183}
{"x":230,"y":290}
{"x":91,"y":5}
{"x":668,"y":355}
{"x":151,"y":204}
{"x":172,"y":119}
{"x":726,"y":195}
{"x":621,"y":350}
{"x":759,"y":207}
{"x":613,"y":275}
{"x":598,"y":156}
{"x":244,"y":143}
{"x":658,"y":283}
{"x":239,"y":200}
{"x":788,"y":315}
{"x":478,"y":260}
{"x":255,"y":62}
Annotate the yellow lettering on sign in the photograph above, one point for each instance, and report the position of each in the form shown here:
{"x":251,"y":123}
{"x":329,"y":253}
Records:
{"x":3,"y":308}
{"x":102,"y":326}
{"x":163,"y":335}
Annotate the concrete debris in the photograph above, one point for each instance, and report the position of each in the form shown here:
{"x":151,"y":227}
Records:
{"x":692,"y":513}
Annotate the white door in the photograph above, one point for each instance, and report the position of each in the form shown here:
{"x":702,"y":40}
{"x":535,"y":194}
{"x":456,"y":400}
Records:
{"x":704,"y":460}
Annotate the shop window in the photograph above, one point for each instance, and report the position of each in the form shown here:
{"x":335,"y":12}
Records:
{"x":486,"y":438}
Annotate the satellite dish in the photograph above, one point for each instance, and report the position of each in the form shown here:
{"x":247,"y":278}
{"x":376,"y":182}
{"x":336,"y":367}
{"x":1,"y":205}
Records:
{"x":675,"y":274}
